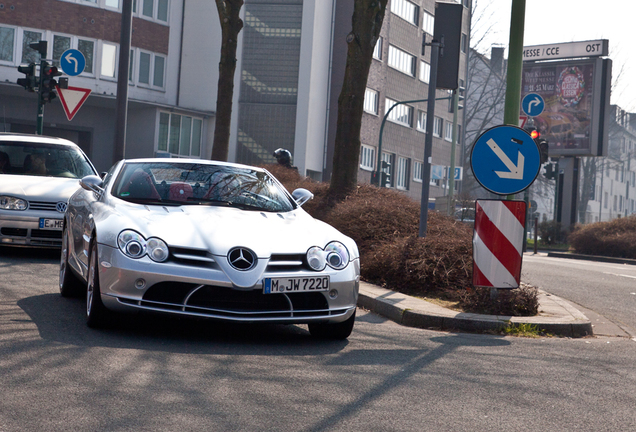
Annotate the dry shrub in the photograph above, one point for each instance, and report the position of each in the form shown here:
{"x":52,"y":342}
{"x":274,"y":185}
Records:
{"x":522,"y":301}
{"x":616,"y":238}
{"x":385,"y":225}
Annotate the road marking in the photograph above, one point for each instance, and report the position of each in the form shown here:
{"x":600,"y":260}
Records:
{"x":617,"y":274}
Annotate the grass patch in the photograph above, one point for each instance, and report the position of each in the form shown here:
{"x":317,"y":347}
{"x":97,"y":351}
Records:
{"x":523,"y":330}
{"x":385,"y":225}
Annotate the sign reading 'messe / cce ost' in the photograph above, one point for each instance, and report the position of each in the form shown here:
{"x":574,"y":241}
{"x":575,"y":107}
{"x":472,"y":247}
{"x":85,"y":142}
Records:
{"x":596,"y":48}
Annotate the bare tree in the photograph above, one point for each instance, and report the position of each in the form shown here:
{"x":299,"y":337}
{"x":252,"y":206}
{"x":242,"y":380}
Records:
{"x":367,"y":19}
{"x":231,"y":26}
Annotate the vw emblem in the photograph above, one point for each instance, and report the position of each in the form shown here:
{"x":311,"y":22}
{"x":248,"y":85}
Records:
{"x":61,"y":207}
{"x":242,"y":259}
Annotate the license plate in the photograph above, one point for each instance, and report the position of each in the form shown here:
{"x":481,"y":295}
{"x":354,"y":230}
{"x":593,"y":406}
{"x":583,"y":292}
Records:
{"x":295,"y":284}
{"x":51,"y":224}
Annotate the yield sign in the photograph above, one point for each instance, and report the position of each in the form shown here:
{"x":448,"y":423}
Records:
{"x":72,"y":99}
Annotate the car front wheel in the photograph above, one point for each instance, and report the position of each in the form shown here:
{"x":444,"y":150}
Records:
{"x":96,"y":312}
{"x":337,"y":331}
{"x":70,"y":286}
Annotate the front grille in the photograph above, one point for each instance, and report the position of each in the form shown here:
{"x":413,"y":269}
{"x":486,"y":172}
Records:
{"x":14,"y":232}
{"x":223,"y":302}
{"x":43,"y":205}
{"x":192,"y":257}
{"x":287,"y":262}
{"x":47,"y":234}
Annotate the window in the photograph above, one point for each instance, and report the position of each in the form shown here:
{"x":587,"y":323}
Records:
{"x":464,"y":43}
{"x":377,"y":50}
{"x":371,"y":99}
{"x":428,"y":23}
{"x":29,"y":55}
{"x":61,"y":43}
{"x":111,"y":3}
{"x":448,"y":136}
{"x":109,"y":60}
{"x":402,"y":114}
{"x":402,"y":61}
{"x":389,"y":167}
{"x":437,"y":127}
{"x":151,"y":65}
{"x":605,"y":200}
{"x":615,"y":201}
{"x":425,"y":72}
{"x":7,"y":44}
{"x":367,"y":157}
{"x":405,"y":10}
{"x":180,"y":135}
{"x":157,"y":9}
{"x":421,"y":121}
{"x":402,"y":180}
{"x":417,"y":171}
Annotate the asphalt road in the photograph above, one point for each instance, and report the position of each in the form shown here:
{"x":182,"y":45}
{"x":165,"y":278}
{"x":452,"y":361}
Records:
{"x":150,"y":373}
{"x":606,"y":288}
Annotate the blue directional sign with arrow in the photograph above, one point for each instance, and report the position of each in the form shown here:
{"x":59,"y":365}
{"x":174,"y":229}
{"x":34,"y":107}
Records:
{"x":72,"y":62}
{"x":505,"y":160}
{"x":532,"y":104}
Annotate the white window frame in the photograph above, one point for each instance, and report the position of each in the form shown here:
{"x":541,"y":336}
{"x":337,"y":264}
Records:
{"x":401,"y":60}
{"x":421,"y":121}
{"x":14,"y":48}
{"x":406,"y":10}
{"x":402,"y":114}
{"x":193,"y":121}
{"x":448,"y":133}
{"x":428,"y":22}
{"x":402,"y":173}
{"x":371,"y":101}
{"x":75,"y":45}
{"x":367,"y":157}
{"x":418,"y":169}
{"x":101,"y":52}
{"x":377,"y":49}
{"x":155,"y":11}
{"x":438,"y":124}
{"x":425,"y":72}
{"x":151,"y":70}
{"x":390,"y":159}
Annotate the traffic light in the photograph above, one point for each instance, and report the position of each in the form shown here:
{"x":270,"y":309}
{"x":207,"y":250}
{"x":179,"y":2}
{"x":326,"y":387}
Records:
{"x":385,"y":175}
{"x":47,"y":90}
{"x":550,"y":171}
{"x":29,"y":81}
{"x":542,"y":143}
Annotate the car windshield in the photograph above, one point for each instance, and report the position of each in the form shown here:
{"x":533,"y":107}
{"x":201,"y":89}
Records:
{"x":174,"y":183}
{"x":37,"y":159}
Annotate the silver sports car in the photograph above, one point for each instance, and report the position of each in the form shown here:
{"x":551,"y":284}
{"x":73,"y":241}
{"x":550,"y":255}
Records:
{"x":206,"y":239}
{"x":37,"y":176}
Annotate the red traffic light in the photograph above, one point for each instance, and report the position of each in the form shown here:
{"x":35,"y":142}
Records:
{"x":535,"y":134}
{"x":52,"y":71}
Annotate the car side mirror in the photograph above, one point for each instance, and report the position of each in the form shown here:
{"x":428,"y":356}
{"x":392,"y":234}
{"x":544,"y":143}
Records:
{"x":92,"y":183}
{"x":301,"y":196}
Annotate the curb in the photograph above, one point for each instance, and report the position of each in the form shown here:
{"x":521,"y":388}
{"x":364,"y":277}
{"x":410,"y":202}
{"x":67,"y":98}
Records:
{"x":556,"y":316}
{"x":592,"y":258}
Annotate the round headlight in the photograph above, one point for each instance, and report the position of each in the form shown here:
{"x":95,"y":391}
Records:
{"x":316,"y":258}
{"x":337,"y":255}
{"x":157,"y":249}
{"x":12,"y":203}
{"x":132,"y":244}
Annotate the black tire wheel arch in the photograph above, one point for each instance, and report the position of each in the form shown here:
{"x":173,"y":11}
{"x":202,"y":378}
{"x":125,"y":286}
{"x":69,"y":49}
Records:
{"x":96,"y":312}
{"x":337,"y":331}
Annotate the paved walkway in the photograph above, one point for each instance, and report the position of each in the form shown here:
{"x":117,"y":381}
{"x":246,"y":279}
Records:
{"x":556,"y":316}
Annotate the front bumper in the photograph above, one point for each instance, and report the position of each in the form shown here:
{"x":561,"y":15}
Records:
{"x":205,"y":291}
{"x":23,"y":229}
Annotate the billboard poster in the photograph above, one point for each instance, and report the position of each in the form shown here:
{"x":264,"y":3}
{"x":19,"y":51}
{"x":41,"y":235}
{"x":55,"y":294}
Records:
{"x":572,"y":120}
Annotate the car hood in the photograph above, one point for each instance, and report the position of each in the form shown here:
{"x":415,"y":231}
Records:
{"x":219,"y":229}
{"x":39,"y":188}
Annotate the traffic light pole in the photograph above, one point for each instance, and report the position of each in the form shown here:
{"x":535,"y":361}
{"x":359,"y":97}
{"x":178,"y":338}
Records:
{"x":39,"y":129}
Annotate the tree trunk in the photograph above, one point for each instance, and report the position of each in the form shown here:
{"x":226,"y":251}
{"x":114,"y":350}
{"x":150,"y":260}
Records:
{"x":366,"y":24}
{"x":231,"y":26}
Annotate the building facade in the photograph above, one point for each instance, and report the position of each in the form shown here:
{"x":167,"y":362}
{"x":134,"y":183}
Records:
{"x":169,"y":113}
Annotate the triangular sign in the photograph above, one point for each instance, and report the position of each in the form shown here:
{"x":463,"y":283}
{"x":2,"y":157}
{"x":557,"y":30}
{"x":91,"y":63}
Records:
{"x":72,"y":99}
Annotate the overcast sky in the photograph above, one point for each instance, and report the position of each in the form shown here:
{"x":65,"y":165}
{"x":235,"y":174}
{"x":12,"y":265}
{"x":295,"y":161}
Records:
{"x":554,"y":21}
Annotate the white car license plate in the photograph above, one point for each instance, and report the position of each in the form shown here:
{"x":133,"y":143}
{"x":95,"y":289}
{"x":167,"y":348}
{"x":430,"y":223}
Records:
{"x":51,"y":224}
{"x":295,"y":284}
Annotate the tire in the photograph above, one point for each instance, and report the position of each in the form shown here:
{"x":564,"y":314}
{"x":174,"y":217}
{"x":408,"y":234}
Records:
{"x":96,"y":312}
{"x":70,"y":285}
{"x":338,"y":331}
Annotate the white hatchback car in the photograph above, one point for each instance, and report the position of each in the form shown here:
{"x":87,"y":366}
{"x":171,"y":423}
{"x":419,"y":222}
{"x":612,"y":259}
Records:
{"x":37,"y":176}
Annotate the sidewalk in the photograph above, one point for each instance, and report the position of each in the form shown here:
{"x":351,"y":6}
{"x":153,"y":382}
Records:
{"x":556,"y":316}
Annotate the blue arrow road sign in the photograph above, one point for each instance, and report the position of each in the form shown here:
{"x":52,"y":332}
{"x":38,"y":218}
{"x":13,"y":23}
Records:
{"x":533,"y":104}
{"x":72,"y":62}
{"x":505,"y":160}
